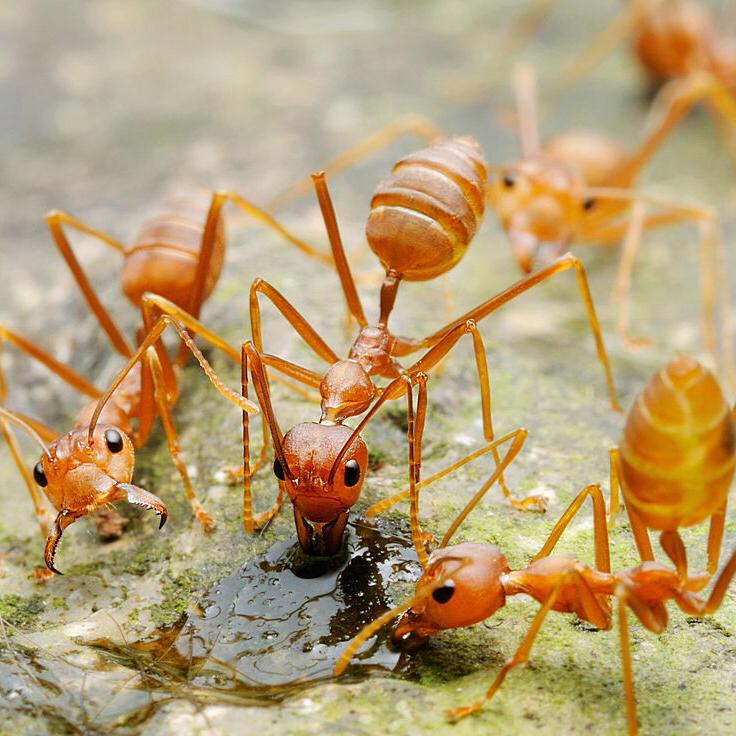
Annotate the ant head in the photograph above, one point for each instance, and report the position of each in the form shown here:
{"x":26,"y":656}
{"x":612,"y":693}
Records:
{"x":78,"y":476}
{"x":321,"y":491}
{"x":537,"y":207}
{"x":471,"y":595}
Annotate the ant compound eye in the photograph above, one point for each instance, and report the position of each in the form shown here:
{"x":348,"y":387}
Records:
{"x":588,"y":204}
{"x":114,"y":440}
{"x":352,"y":472}
{"x":508,"y":181}
{"x":39,"y":476}
{"x":278,"y":470}
{"x":443,"y":594}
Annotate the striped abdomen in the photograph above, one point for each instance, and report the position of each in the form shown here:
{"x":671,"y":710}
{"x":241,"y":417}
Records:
{"x":678,"y":451}
{"x":425,"y":213}
{"x":164,"y":258}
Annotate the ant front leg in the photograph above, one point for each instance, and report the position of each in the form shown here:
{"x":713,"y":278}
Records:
{"x":56,"y":221}
{"x":40,"y":434}
{"x":416,"y":125}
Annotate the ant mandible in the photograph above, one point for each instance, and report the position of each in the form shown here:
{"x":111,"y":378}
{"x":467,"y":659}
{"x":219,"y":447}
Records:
{"x":464,"y":584}
{"x":422,"y":219}
{"x":92,"y":465}
{"x":676,"y":460}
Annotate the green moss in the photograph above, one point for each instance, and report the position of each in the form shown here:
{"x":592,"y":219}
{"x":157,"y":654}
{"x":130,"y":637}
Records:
{"x":21,"y":612}
{"x":177,"y":594}
{"x":141,"y":559}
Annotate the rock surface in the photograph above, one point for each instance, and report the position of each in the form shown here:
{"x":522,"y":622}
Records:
{"x":107,"y":107}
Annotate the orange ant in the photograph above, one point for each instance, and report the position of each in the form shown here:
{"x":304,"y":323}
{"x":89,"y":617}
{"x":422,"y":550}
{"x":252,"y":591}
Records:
{"x":676,"y":460}
{"x":92,"y":465}
{"x":466,"y":583}
{"x":178,"y":255}
{"x":422,"y":219}
{"x":577,"y":189}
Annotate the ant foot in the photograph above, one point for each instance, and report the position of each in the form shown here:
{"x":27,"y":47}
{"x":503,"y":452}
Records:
{"x":231,"y":475}
{"x":535,"y":504}
{"x":40,"y":574}
{"x":207,"y":522}
{"x":457,"y":714}
{"x":632,"y":344}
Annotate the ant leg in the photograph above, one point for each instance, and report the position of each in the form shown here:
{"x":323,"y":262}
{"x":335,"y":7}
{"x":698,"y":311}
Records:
{"x":623,"y":630}
{"x":638,"y":529}
{"x":209,"y":238}
{"x":600,"y":531}
{"x":441,"y":349}
{"x":413,"y":124}
{"x":569,"y":577}
{"x":525,"y":92}
{"x":69,"y":376}
{"x":599,"y":47}
{"x":161,"y":396}
{"x":415,"y":429}
{"x":338,"y":252}
{"x":251,"y":364}
{"x":403,"y":495}
{"x":42,"y":513}
{"x":517,"y":436}
{"x":55,"y":220}
{"x":714,"y":285}
{"x":715,"y":537}
{"x":152,"y":305}
{"x":292,"y":316}
{"x":443,"y":340}
{"x":622,"y":289}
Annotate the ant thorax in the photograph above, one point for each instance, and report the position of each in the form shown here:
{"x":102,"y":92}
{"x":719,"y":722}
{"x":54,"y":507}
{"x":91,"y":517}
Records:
{"x":373,"y":349}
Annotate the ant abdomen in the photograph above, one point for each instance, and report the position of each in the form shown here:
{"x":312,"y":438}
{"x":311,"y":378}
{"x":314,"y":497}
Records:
{"x":164,"y":258}
{"x":678,"y":452}
{"x":425,"y":213}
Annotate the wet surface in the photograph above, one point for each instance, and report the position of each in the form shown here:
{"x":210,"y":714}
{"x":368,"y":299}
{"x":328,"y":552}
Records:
{"x":281,"y":620}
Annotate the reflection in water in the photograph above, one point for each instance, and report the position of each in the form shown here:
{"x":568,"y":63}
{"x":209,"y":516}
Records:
{"x":280,"y":621}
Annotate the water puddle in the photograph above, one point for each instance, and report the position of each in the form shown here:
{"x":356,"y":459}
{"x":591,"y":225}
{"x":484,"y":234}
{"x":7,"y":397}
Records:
{"x":279,"y":622}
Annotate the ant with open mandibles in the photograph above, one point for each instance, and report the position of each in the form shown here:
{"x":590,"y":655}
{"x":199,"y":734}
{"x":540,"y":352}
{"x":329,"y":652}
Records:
{"x":676,"y":460}
{"x":92,"y":465}
{"x":422,"y":219}
{"x":466,"y":583}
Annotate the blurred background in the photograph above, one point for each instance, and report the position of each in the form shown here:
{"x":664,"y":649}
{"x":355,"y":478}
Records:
{"x":107,"y":108}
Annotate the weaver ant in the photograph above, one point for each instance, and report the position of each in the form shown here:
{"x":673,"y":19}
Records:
{"x":92,"y":465}
{"x":466,"y":583}
{"x":577,"y":189}
{"x":676,"y":460}
{"x":422,"y":219}
{"x":178,"y":255}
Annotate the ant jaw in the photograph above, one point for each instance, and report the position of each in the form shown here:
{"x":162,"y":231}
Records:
{"x":323,"y":539}
{"x":141,"y":497}
{"x":411,"y":632}
{"x":525,"y":247}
